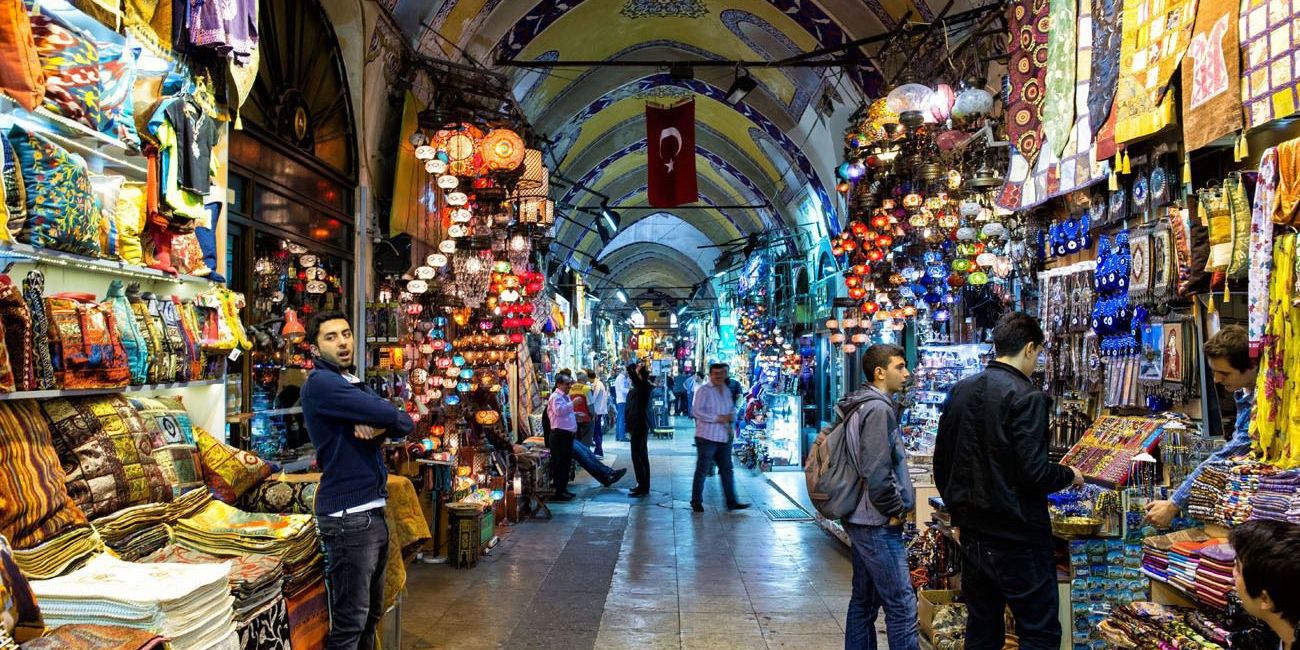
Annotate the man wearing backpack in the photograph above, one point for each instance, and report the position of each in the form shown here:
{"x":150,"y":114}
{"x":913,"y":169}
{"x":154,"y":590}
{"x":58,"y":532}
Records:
{"x":990,"y":465}
{"x":875,"y":526}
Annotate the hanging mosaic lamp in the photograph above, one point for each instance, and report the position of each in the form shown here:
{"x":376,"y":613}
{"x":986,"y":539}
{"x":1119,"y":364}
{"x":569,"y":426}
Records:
{"x":502,"y":150}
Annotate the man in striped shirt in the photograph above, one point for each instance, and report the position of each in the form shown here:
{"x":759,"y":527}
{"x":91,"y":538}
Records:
{"x":713,"y":410}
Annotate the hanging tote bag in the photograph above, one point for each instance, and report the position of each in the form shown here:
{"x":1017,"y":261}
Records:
{"x":16,"y":322}
{"x":84,"y":345}
{"x":192,"y":335}
{"x":174,"y":337}
{"x":134,"y":341}
{"x":153,"y":338}
{"x":1234,"y":192}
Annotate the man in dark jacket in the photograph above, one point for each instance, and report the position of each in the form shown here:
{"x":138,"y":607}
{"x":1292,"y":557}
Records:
{"x":638,"y":426}
{"x":347,"y":422}
{"x":990,"y":464}
{"x":880,"y":572}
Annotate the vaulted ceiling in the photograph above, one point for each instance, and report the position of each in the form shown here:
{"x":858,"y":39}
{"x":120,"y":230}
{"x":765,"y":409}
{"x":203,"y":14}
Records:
{"x":778,"y":147}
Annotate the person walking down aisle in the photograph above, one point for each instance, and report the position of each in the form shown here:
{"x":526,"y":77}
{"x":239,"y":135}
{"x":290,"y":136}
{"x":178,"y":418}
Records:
{"x":1268,"y":569}
{"x":622,"y":386}
{"x":693,"y":382}
{"x":880,"y":571}
{"x":599,"y":403}
{"x":713,"y":410}
{"x":638,"y":425}
{"x":991,"y":467}
{"x":679,"y":394}
{"x":564,"y":426}
{"x":580,"y":393}
{"x":347,"y":422}
{"x":1228,"y":353}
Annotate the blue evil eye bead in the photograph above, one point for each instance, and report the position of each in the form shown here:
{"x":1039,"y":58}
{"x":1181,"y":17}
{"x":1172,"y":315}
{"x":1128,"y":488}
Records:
{"x":1140,"y":192}
{"x":464,"y":387}
{"x":458,"y":361}
{"x":937,"y":271}
{"x":452,"y":399}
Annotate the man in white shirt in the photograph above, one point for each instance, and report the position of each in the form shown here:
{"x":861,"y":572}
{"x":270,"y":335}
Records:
{"x":714,"y":410}
{"x":622,"y":386}
{"x":564,"y":425}
{"x":599,"y":404}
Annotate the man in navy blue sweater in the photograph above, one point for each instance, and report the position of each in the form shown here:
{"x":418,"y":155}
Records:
{"x":347,"y":423}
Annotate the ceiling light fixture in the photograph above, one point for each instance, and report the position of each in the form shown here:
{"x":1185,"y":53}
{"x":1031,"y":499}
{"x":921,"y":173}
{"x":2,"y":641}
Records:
{"x":621,"y":295}
{"x":741,"y":87}
{"x":609,"y":219}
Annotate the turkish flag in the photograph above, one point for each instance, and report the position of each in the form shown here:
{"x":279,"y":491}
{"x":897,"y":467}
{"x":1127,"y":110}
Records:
{"x":670,"y":139}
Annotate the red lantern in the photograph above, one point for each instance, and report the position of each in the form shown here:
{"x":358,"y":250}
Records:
{"x":870,"y":308}
{"x":852,"y":281}
{"x":857,"y":293}
{"x":859,"y":229}
{"x":880,"y":222}
{"x":861,"y":269}
{"x":875,"y":255}
{"x":884,"y":241}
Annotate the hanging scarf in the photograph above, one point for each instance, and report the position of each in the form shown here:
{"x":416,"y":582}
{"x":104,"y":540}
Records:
{"x":1058,"y":107}
{"x":1164,"y":271}
{"x":1261,"y":249}
{"x":1212,"y":75}
{"x":1106,"y":37}
{"x":1029,"y":21}
{"x":1215,"y":212}
{"x":1288,"y":183}
{"x":1181,"y":227}
{"x":1275,"y":427}
{"x":1152,"y":47}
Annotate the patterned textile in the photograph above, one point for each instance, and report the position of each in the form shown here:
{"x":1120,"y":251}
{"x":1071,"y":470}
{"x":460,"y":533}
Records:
{"x":1261,"y":250}
{"x":117,"y":78}
{"x":59,"y":555}
{"x":280,"y":496}
{"x":1276,"y":424}
{"x":1270,"y":80}
{"x":20,"y":617}
{"x":1239,"y":210}
{"x":1156,"y":34}
{"x":1029,"y":21}
{"x":1106,"y":36}
{"x":188,"y":603}
{"x":1031,"y":185}
{"x":166,"y":420}
{"x":407,"y":529}
{"x":268,"y":629}
{"x":106,"y":189}
{"x":7,"y":382}
{"x":42,"y":365}
{"x":16,"y":327}
{"x":1288,"y":183}
{"x":21,"y":76}
{"x":60,"y":207}
{"x":15,"y":194}
{"x":255,"y":580}
{"x":84,"y":345}
{"x":106,"y":453}
{"x":220,"y":520}
{"x":1212,"y":75}
{"x":71,"y":62}
{"x":180,"y":465}
{"x":29,"y":466}
{"x":1217,"y":212}
{"x":129,"y":333}
{"x":309,"y":617}
{"x":229,"y":472}
{"x":130,"y":223}
{"x":1059,"y":82}
{"x":83,"y":636}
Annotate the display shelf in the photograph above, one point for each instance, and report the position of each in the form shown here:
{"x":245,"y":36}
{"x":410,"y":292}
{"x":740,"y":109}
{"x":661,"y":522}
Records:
{"x":241,"y":417}
{"x":50,"y":394}
{"x":110,"y":152}
{"x":1169,"y":591}
{"x":112,"y":267}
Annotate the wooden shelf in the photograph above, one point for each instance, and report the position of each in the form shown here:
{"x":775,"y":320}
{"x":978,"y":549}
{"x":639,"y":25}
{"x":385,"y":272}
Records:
{"x":50,"y":394}
{"x":52,"y":257}
{"x":244,"y":417}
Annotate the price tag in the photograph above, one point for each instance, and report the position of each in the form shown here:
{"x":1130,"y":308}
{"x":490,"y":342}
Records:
{"x":234,"y":354}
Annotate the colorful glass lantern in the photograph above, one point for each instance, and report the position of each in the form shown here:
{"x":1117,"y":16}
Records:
{"x":502,"y":150}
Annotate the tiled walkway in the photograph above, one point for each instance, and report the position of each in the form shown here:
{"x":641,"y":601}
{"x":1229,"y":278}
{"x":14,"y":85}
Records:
{"x":612,"y":572}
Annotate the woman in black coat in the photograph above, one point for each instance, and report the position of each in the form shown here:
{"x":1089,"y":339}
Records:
{"x":638,"y":425}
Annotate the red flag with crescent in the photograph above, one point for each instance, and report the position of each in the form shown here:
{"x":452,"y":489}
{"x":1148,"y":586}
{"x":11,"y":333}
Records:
{"x":670,"y":140}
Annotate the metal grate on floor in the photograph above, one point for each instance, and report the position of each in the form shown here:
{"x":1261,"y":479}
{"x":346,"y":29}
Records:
{"x":786,"y":514}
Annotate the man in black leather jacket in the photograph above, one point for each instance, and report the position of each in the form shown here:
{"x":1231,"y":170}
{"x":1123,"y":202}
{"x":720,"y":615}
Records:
{"x":990,"y":464}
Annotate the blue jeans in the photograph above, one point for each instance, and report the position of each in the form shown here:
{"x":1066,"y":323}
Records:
{"x":598,"y":434}
{"x":356,"y":554}
{"x":880,"y":578}
{"x":707,"y":452}
{"x":598,"y":470}
{"x":621,"y":430}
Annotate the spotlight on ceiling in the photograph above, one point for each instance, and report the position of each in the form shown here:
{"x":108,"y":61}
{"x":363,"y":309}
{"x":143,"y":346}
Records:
{"x":741,"y":87}
{"x":621,"y":295}
{"x":682,"y":310}
{"x":609,"y":219}
{"x":600,"y":267}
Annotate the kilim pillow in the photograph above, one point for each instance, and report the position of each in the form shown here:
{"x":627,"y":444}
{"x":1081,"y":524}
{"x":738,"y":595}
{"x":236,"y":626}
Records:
{"x":229,"y":472}
{"x":34,"y":502}
{"x":172,"y":433}
{"x":108,"y":463}
{"x":70,"y":59}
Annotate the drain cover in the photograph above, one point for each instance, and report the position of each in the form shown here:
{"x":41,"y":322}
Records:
{"x":786,"y":514}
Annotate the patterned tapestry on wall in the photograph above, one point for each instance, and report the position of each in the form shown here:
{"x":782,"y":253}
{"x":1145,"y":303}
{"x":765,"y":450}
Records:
{"x":1155,"y":36}
{"x":1270,"y":87}
{"x":664,"y":9}
{"x":1212,"y":75}
{"x":1030,"y":23}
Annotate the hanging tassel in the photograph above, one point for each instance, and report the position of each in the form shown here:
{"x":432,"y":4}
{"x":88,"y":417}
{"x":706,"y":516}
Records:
{"x":1209,"y":307}
{"x":1127,"y":169}
{"x":1119,"y":163}
{"x":1114,"y":181}
{"x":1245,"y":146}
{"x":1187,"y":171}
{"x":1227,"y":291}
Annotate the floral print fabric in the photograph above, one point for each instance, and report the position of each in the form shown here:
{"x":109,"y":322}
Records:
{"x":1058,"y":106}
{"x":60,"y":205}
{"x":1030,"y":24}
{"x":1277,"y":396}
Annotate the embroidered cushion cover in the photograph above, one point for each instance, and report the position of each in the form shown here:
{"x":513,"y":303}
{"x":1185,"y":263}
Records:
{"x":30,"y":467}
{"x":228,"y":472}
{"x":60,"y":207}
{"x":70,"y":59}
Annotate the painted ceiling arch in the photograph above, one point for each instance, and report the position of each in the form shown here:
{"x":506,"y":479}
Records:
{"x":659,"y":227}
{"x":650,"y":265}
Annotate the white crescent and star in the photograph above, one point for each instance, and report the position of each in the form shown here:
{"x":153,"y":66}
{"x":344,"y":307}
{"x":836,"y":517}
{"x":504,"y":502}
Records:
{"x":673,"y":134}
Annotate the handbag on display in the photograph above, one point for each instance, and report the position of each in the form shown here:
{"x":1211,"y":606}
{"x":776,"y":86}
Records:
{"x":174,"y":337}
{"x":167,"y":362}
{"x":192,"y":335}
{"x":134,"y":341}
{"x":151,"y":332}
{"x":84,"y":345}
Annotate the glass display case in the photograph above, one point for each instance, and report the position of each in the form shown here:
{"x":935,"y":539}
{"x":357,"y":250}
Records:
{"x":784,"y":423}
{"x":938,"y":367}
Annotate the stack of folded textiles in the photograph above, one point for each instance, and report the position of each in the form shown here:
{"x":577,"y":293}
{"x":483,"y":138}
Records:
{"x":225,"y":531}
{"x":1278,"y":497}
{"x":1243,"y":483}
{"x":189,"y":604}
{"x":137,"y":531}
{"x":1183,"y":560}
{"x":255,"y":580}
{"x":187,"y":505}
{"x":1158,"y":552}
{"x":1214,"y":579}
{"x":1207,"y":492}
{"x":1156,"y":562}
{"x":87,"y":635}
{"x":60,"y":554}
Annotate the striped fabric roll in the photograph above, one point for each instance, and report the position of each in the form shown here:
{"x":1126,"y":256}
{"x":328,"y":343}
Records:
{"x":34,"y":503}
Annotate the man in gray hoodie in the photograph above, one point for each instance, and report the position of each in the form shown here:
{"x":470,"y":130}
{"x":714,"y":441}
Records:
{"x":880,"y":573}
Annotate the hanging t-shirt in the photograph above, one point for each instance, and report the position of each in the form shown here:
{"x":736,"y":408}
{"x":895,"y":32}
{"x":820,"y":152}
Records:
{"x":196,"y":134}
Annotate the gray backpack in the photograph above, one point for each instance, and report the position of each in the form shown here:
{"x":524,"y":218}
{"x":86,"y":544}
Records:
{"x":833,"y":481}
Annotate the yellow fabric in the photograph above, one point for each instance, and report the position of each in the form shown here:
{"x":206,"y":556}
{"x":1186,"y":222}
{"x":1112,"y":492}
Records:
{"x":1275,"y":425}
{"x":1155,"y":37}
{"x":406,"y":530}
{"x":410,"y":181}
{"x":183,"y":202}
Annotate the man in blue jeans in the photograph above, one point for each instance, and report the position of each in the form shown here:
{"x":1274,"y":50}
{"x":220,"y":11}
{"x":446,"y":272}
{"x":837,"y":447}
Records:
{"x":622,"y":387}
{"x":347,"y":423}
{"x":880,"y":573}
{"x":713,"y":410}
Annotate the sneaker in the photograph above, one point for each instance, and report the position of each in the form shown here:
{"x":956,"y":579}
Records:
{"x":737,"y":506}
{"x":697,"y":507}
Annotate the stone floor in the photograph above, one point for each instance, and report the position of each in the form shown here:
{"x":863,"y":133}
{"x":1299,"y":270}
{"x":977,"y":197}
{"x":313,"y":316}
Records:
{"x":613,"y":572}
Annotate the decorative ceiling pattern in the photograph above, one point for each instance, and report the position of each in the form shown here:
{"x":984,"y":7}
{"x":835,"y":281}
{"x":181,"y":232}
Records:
{"x":775,"y":147}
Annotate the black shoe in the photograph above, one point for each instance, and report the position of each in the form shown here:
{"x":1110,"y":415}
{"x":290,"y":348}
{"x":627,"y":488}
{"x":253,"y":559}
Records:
{"x":697,"y":507}
{"x":737,"y":506}
{"x":563,"y":496}
{"x":615,"y":476}
{"x":638,"y":492}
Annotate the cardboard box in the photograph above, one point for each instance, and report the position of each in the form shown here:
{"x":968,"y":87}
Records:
{"x":928,"y":603}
